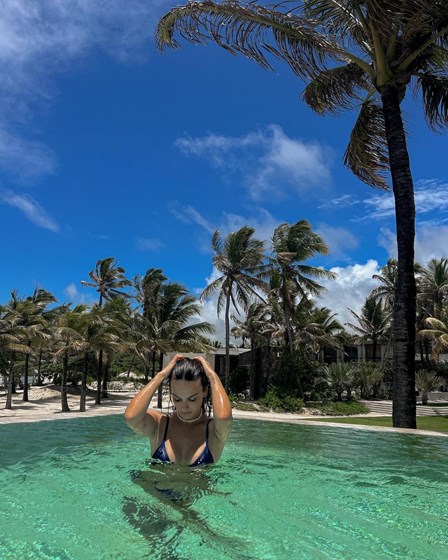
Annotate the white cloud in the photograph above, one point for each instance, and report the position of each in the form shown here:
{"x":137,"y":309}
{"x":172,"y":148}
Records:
{"x":189,"y":215}
{"x":338,"y":239}
{"x":430,"y":242}
{"x":25,"y":159}
{"x":350,"y":288}
{"x":343,"y":201}
{"x":430,"y":195}
{"x":260,"y":219}
{"x":76,"y":298}
{"x":269,"y":161}
{"x":38,"y":39}
{"x":32,"y":210}
{"x":149,"y":244}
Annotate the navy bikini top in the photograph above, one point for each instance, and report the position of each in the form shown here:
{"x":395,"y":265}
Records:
{"x":205,"y":458}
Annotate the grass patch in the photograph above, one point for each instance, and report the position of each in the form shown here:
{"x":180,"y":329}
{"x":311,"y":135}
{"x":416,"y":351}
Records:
{"x":432,"y":423}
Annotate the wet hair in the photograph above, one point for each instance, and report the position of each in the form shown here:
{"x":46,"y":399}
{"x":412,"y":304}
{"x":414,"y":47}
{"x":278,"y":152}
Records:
{"x":190,"y":369}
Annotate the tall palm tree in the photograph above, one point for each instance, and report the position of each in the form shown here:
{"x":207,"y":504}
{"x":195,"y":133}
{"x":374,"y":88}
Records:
{"x":11,"y":342}
{"x":292,"y":245}
{"x":168,"y":320}
{"x":69,"y":339}
{"x":108,"y":279}
{"x":238,"y":258}
{"x":373,"y":323}
{"x":356,"y":54}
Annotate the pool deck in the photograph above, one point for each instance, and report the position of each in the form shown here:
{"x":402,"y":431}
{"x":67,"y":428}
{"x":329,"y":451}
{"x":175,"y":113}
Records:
{"x":44,"y":405}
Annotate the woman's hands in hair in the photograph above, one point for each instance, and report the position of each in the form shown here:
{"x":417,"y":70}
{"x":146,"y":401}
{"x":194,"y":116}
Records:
{"x":208,"y":370}
{"x":166,"y":371}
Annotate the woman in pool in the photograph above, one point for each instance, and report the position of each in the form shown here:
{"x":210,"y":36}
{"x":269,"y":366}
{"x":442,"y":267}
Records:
{"x":189,"y":436}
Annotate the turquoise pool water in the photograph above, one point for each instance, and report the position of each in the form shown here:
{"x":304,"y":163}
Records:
{"x":83,"y":489}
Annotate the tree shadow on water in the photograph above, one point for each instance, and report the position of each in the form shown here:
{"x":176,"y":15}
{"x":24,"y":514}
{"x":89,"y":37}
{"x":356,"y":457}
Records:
{"x":164,"y":513}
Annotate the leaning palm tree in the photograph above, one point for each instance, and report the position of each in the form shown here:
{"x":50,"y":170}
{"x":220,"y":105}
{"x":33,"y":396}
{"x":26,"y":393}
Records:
{"x":292,"y":245}
{"x":109,"y":280}
{"x":238,"y":258}
{"x":357,"y":55}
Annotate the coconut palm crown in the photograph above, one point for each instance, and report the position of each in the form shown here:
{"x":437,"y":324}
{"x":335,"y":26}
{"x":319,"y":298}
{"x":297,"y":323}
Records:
{"x":358,"y":55}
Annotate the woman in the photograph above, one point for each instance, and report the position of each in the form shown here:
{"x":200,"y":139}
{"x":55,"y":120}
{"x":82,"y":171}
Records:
{"x":189,"y":436}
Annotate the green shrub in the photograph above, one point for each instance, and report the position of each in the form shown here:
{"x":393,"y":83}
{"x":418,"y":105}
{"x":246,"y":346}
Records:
{"x":280,"y":400}
{"x":342,"y":408}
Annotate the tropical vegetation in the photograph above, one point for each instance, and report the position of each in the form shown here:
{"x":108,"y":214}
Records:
{"x":355,"y":55}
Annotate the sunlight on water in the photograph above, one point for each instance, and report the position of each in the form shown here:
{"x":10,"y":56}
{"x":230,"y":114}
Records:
{"x":84,"y":488}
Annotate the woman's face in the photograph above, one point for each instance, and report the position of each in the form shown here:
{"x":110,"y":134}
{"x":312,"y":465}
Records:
{"x":187,"y":397}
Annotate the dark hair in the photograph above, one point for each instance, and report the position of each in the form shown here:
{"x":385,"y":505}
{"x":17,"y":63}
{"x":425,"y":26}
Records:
{"x":190,"y":370}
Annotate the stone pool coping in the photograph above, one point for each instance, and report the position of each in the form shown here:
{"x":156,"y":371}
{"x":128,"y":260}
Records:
{"x":48,"y":408}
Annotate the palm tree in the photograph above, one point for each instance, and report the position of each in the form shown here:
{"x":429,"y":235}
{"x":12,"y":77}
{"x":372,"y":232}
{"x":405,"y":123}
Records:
{"x":427,"y":381}
{"x":368,"y":377}
{"x":69,"y":339}
{"x":361,"y":54}
{"x":434,"y":285}
{"x":373,"y":323}
{"x":437,"y":330}
{"x":338,"y":377}
{"x":108,"y":279}
{"x":11,"y":337}
{"x":168,"y":315}
{"x":291,"y":246}
{"x":238,"y":258}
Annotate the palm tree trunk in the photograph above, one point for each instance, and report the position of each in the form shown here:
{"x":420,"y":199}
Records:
{"x":8,"y":404}
{"x":404,"y":406}
{"x":64,"y":401}
{"x":153,"y":365}
{"x":82,"y":398}
{"x":252,"y":371}
{"x":99,"y":376}
{"x":227,"y":321}
{"x":104,"y":393}
{"x":39,"y":369}
{"x":160,"y":391}
{"x":26,"y":373}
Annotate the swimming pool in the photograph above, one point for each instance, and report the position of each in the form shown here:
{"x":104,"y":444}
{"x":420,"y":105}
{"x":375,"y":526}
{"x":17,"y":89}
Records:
{"x":83,"y":489}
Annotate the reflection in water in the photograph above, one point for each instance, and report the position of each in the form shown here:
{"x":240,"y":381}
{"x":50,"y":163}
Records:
{"x":166,"y":510}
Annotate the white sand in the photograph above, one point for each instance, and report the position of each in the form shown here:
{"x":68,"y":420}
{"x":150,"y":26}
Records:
{"x":45,"y":404}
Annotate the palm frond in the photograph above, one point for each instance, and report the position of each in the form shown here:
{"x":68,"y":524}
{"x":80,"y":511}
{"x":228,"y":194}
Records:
{"x":367,"y":153}
{"x":250,"y":30}
{"x":335,"y":90}
{"x":435,"y":100}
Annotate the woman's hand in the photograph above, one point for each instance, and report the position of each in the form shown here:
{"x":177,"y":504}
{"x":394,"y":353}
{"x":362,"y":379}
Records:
{"x":166,"y":371}
{"x":209,"y":372}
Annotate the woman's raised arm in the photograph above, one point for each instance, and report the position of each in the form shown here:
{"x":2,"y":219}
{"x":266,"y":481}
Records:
{"x":137,"y":415}
{"x":222,"y":408}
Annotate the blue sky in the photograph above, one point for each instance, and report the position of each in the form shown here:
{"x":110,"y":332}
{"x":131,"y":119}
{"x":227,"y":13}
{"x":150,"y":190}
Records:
{"x":108,"y":148}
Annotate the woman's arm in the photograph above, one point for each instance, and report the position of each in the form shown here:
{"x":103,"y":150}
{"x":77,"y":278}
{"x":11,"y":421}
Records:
{"x":222,"y":409}
{"x":137,"y":415}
